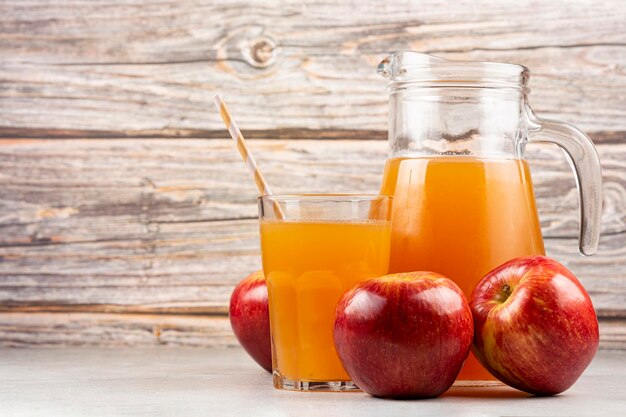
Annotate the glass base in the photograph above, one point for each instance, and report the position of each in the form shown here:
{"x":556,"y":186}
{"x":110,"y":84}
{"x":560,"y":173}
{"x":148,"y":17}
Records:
{"x":281,"y":382}
{"x":471,"y":383}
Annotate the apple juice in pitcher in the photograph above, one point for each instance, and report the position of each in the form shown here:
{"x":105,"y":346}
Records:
{"x":463,"y":197}
{"x":428,"y":190}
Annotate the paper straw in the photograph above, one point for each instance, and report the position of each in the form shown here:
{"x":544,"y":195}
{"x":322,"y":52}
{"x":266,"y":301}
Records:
{"x":248,"y":159}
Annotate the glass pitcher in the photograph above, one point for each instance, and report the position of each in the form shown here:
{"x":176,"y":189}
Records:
{"x":463,"y":196}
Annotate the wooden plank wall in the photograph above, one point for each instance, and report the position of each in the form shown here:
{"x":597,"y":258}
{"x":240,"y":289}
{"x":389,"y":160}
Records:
{"x":126,"y":217}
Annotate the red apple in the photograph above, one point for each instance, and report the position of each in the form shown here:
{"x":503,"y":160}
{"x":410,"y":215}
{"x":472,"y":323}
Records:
{"x":403,"y":335}
{"x":250,"y":319}
{"x":535,"y":327}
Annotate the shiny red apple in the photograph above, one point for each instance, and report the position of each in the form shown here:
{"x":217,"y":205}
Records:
{"x":535,"y":327}
{"x":250,"y":319}
{"x":403,"y":335}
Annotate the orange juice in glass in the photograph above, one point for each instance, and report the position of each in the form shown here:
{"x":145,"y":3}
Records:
{"x":314,"y":249}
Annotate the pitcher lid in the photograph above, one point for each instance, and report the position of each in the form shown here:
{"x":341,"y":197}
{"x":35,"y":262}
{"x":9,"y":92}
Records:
{"x":406,"y":68}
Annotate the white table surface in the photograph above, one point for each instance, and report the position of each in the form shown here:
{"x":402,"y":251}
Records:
{"x":225,"y":382}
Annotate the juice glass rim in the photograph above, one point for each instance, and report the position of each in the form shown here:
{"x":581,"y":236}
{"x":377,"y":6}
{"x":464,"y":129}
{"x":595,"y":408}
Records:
{"x":325,"y":197}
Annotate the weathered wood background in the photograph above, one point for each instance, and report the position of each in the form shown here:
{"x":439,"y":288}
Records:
{"x":126,"y":217}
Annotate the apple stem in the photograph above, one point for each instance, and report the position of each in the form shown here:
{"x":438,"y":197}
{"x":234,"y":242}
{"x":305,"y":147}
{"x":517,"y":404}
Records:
{"x":505,"y":292}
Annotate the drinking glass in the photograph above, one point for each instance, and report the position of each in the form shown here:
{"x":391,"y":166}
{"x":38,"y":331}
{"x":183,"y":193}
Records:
{"x":315,"y":247}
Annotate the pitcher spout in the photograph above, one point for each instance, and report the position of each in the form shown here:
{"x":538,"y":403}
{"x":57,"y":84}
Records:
{"x":398,"y":62}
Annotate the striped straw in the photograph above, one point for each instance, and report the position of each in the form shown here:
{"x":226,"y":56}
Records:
{"x":248,"y":159}
{"x":240,"y":143}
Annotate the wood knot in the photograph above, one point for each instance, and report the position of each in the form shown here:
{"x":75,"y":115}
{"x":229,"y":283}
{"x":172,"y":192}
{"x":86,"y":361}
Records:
{"x":261,"y":52}
{"x":156,"y":332}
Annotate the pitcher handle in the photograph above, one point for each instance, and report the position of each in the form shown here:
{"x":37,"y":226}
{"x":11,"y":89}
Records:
{"x":584,"y":160}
